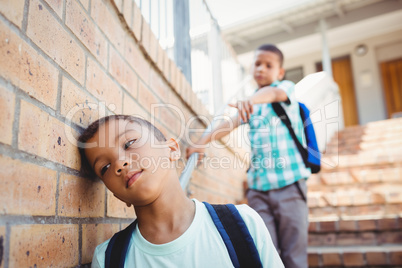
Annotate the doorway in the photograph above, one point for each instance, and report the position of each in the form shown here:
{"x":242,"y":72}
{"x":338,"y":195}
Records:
{"x":391,"y":72}
{"x":342,"y":74}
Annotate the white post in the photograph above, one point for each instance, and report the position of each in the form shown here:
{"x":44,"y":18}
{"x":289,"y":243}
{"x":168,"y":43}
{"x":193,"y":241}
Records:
{"x":214,"y":49}
{"x":326,"y":57}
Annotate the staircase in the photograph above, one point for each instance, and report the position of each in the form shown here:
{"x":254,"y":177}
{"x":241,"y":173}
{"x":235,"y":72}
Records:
{"x":355,"y":202}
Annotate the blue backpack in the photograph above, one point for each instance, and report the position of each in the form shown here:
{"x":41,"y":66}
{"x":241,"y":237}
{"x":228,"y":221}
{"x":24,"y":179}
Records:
{"x":311,"y":155}
{"x":231,"y":227}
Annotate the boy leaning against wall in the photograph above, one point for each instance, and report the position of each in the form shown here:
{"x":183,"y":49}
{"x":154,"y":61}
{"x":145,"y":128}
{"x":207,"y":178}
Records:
{"x":277,"y":175}
{"x":136,"y":162}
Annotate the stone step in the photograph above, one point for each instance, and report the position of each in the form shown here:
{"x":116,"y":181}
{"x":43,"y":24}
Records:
{"x":361,"y":176}
{"x":355,"y":195}
{"x":374,"y":158}
{"x":360,"y":256}
{"x":356,"y":232}
{"x":347,"y":212}
{"x":357,"y":145}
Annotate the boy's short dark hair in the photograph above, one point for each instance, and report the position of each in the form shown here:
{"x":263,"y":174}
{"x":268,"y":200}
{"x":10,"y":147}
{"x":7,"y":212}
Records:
{"x":272,"y":48}
{"x":91,"y":130}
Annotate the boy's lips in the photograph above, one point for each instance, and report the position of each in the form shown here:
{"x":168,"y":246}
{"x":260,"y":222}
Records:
{"x":132,"y":177}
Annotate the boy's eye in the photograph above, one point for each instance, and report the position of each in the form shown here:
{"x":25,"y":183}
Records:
{"x":129,"y":143}
{"x":104,"y":169}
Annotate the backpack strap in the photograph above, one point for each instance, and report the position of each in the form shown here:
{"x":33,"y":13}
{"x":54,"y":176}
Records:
{"x":235,"y":235}
{"x":280,"y":112}
{"x":116,"y":251}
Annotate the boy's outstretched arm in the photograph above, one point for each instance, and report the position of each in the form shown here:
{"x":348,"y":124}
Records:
{"x":218,"y":132}
{"x":263,"y":95}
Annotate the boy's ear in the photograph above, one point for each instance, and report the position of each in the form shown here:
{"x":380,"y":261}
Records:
{"x":281,"y":73}
{"x":174,"y":150}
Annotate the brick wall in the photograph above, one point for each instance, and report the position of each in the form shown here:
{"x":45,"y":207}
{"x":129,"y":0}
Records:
{"x":64,"y":63}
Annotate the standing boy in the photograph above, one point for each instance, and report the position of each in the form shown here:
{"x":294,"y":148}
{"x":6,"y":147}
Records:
{"x":277,"y":175}
{"x":136,"y":163}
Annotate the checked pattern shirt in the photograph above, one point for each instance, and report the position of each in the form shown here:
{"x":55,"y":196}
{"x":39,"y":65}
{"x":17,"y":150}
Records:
{"x":275,"y":159}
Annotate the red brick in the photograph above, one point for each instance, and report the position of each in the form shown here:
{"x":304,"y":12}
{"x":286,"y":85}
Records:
{"x":353,"y":259}
{"x":367,"y":238}
{"x":85,"y":4}
{"x":376,"y":258}
{"x":166,"y":66}
{"x":131,"y":107}
{"x":80,"y":197}
{"x":388,"y":224}
{"x":365,"y":225}
{"x":378,"y":198}
{"x":2,"y":242}
{"x":57,"y":6}
{"x":27,"y":189}
{"x":395,"y":257}
{"x":137,"y":22}
{"x":136,"y":59}
{"x":347,"y":239}
{"x":108,"y":21}
{"x":128,"y":12}
{"x":333,"y":259}
{"x":93,"y":235}
{"x":76,"y":105}
{"x":26,"y":69}
{"x":7,"y":105}
{"x":315,"y":239}
{"x":44,"y":135}
{"x":146,"y":98}
{"x":122,"y":72}
{"x":118,"y":209}
{"x":83,"y":27}
{"x":327,"y":226}
{"x":161,"y":57}
{"x":61,"y":47}
{"x":394,"y":198}
{"x":168,"y":118}
{"x":13,"y":10}
{"x":347,"y":225}
{"x":153,"y":47}
{"x":119,"y":5}
{"x":390,"y":237}
{"x":103,"y":87}
{"x":159,"y":86}
{"x":44,"y":246}
{"x":313,"y":259}
{"x":312,"y":227}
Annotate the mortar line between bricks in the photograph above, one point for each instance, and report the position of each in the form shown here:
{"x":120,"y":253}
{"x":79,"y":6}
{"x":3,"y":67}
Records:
{"x":6,"y":248}
{"x":16,"y":220}
{"x":24,"y":25}
{"x":16,"y":123}
{"x":64,"y":11}
{"x":26,"y":157}
{"x":153,"y":64}
{"x":80,"y":244}
{"x":41,"y":52}
{"x":58,"y":97}
{"x":56,"y":212}
{"x":26,"y":97}
{"x":89,"y":8}
{"x":88,"y":52}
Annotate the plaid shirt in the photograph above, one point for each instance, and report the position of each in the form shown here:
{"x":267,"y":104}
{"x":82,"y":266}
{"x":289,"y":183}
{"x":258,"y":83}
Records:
{"x":275,"y":159}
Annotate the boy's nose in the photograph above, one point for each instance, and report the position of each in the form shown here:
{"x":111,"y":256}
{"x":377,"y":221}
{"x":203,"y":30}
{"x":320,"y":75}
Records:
{"x":120,"y":165}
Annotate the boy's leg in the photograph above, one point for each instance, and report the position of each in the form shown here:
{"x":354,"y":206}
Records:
{"x":292,"y":218}
{"x":259,"y":201}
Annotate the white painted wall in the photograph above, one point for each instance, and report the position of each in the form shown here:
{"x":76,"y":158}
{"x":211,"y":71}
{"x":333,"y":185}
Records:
{"x":366,"y":70}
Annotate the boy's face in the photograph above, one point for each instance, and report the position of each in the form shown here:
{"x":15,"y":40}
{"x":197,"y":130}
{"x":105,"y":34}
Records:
{"x":267,"y":68}
{"x":130,"y":161}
